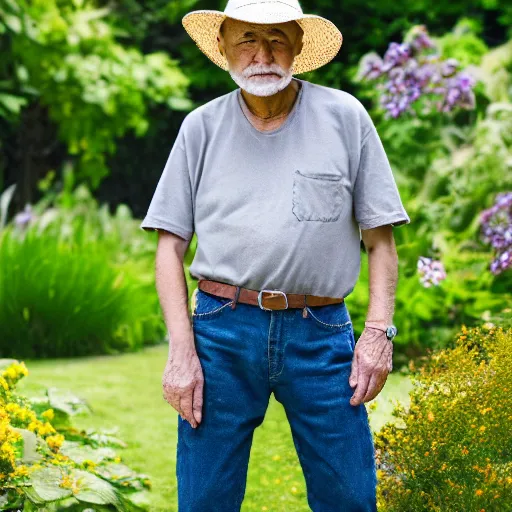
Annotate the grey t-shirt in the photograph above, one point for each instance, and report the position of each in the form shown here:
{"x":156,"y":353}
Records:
{"x":279,"y":209}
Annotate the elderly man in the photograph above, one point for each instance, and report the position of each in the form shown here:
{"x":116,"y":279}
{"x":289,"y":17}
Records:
{"x":280,"y":180}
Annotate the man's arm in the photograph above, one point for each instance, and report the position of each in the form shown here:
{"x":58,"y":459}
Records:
{"x":172,"y":288}
{"x":383,"y":273}
{"x":373,"y":357}
{"x":183,"y":378}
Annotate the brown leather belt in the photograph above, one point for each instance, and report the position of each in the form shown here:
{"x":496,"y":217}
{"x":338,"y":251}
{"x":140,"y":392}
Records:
{"x":265,"y":299}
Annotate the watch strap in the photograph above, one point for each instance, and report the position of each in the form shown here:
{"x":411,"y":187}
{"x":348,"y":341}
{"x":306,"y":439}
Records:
{"x":376,"y":325}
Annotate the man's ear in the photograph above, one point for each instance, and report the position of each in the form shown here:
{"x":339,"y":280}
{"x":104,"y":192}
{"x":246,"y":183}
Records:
{"x":221,"y":46}
{"x":299,"y":44}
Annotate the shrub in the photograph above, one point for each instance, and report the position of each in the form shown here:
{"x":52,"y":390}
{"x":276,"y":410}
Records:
{"x":451,"y":449}
{"x":76,"y":280}
{"x":58,"y":300}
{"x":47,"y":464}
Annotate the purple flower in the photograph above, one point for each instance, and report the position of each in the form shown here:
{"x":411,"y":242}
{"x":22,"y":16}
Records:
{"x":23,"y":218}
{"x":396,"y":55}
{"x":421,"y":42}
{"x":371,"y":67}
{"x":496,"y":230}
{"x":431,"y":271}
{"x":410,"y":75}
{"x":449,"y":66}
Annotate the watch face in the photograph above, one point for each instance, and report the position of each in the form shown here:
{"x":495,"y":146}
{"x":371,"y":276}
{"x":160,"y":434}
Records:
{"x":391,"y":332}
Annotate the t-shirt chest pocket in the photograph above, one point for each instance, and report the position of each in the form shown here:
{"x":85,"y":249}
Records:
{"x":317,"y":196}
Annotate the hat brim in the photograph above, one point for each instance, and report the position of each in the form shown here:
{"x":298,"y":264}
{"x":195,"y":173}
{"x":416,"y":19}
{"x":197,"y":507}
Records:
{"x":321,"y":41}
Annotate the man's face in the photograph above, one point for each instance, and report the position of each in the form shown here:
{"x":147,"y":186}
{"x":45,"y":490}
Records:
{"x":260,"y":57}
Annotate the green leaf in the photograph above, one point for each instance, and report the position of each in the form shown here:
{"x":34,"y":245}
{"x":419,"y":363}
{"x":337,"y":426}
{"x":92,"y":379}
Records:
{"x":93,"y":489}
{"x":66,"y":401}
{"x":30,"y":454}
{"x":12,"y":103}
{"x":180,"y":103}
{"x":5,"y":199}
{"x":46,"y":485}
{"x":78,"y":452}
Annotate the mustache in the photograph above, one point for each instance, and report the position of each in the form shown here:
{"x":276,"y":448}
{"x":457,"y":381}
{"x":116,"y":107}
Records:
{"x":248,"y":72}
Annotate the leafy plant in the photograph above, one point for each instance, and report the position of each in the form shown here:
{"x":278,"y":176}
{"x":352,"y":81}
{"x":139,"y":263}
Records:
{"x":46,"y":464}
{"x":66,"y":56}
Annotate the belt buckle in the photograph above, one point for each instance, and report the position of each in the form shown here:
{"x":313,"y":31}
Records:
{"x":272,"y":291}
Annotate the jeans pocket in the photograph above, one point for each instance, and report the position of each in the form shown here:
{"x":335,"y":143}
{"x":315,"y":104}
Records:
{"x":208,"y":305}
{"x":317,"y":196}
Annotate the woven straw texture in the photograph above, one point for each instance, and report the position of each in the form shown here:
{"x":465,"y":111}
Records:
{"x":321,"y":41}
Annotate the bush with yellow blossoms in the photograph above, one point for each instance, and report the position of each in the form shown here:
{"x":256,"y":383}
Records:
{"x":451,"y":448}
{"x":46,"y":464}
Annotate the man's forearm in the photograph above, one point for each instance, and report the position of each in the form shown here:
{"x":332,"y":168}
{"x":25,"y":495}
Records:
{"x":383,"y":277}
{"x":172,"y":291}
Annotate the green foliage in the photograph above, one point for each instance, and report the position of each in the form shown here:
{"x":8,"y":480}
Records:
{"x":47,"y":466}
{"x":449,"y":168}
{"x":496,"y":73}
{"x":450,"y":450}
{"x":77,"y":281}
{"x":463,"y":43}
{"x":66,"y":56}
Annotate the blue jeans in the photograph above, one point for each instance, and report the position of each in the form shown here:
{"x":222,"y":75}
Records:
{"x":247,"y":353}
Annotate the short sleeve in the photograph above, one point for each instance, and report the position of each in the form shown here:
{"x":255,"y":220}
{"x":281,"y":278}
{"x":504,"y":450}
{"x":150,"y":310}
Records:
{"x":171,"y":207}
{"x":376,"y":197}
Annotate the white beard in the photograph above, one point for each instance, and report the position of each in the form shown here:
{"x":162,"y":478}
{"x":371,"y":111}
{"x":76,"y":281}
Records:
{"x":266,"y":86}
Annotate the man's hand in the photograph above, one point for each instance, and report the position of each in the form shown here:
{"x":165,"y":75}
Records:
{"x":182,"y":382}
{"x":372,"y":362}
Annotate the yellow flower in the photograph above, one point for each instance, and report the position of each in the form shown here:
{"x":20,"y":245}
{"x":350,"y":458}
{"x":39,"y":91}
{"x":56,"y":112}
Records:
{"x":45,"y":428}
{"x":66,"y":482}
{"x":55,"y":441}
{"x":22,"y":471}
{"x":14,"y":372}
{"x":479,"y":492}
{"x":48,"y":414}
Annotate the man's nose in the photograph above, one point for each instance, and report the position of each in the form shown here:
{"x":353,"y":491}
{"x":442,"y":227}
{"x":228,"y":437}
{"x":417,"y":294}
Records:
{"x":264,"y":53}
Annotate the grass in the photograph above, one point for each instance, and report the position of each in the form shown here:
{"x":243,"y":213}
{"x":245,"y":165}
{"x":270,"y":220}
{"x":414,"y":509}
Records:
{"x":125,"y":391}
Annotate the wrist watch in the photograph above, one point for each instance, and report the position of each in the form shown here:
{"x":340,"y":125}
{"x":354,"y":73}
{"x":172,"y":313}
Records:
{"x":390,"y":330}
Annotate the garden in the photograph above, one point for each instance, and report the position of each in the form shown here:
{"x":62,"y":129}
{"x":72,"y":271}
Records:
{"x":92,"y":95}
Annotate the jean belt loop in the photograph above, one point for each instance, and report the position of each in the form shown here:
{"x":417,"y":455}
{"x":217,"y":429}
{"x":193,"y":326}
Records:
{"x":235,"y":300}
{"x":304,"y":310}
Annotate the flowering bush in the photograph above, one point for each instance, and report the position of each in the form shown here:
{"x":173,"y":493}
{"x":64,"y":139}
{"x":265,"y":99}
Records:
{"x":47,"y":464}
{"x":411,"y":73}
{"x":451,"y":449}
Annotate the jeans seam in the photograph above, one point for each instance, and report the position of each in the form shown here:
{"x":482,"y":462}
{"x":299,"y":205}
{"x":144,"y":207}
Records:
{"x":324,"y":323}
{"x":306,"y":466}
{"x":215,"y":310}
{"x":268,"y":346}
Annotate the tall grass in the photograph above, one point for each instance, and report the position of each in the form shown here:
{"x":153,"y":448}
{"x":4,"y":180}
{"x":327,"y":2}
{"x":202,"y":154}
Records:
{"x":58,"y":300}
{"x":76,"y":280}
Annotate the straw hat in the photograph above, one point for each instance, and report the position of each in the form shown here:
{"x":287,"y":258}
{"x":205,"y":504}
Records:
{"x":321,"y":41}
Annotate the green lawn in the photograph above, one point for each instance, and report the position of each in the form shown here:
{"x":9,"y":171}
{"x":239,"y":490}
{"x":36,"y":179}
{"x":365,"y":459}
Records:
{"x":125,"y":391}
